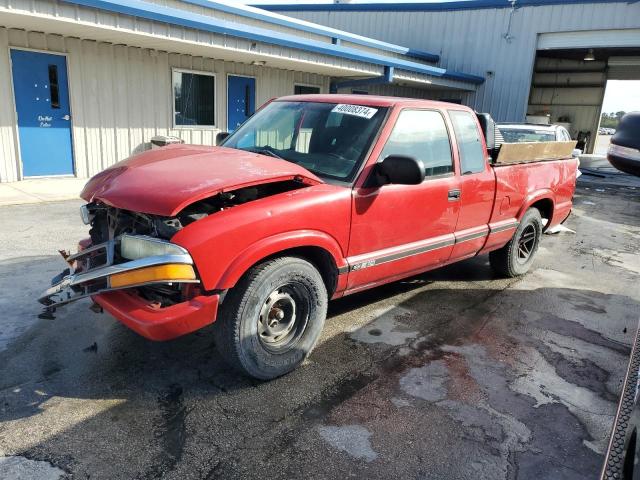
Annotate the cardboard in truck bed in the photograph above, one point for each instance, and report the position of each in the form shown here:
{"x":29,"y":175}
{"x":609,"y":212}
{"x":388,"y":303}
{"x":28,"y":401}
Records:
{"x":534,"y":152}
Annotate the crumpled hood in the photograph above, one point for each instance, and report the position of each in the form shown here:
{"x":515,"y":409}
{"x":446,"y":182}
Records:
{"x":164,"y":181}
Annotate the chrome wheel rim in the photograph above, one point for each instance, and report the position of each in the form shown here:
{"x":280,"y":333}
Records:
{"x":526,"y":243}
{"x":283,"y":318}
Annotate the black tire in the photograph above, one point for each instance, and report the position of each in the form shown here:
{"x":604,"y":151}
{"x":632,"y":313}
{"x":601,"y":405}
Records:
{"x":516,"y":257}
{"x":271,"y":320}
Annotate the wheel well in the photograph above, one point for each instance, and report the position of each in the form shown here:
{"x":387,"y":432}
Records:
{"x":545,"y":207}
{"x":319,"y":258}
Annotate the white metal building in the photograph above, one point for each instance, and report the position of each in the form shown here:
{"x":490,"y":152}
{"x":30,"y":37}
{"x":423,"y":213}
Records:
{"x":86,"y":83}
{"x":531,"y":52}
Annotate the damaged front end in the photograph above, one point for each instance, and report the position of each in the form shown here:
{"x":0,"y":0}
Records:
{"x":126,"y":250}
{"x":132,"y":250}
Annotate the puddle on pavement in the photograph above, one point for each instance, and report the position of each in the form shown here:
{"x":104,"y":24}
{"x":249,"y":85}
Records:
{"x":539,"y":380}
{"x":386,"y":327}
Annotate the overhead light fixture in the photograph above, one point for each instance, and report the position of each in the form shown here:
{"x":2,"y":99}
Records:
{"x":259,"y":63}
{"x":589,"y":57}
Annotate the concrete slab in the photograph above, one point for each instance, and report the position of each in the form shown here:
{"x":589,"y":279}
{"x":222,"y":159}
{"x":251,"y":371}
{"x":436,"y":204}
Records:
{"x":38,"y":190}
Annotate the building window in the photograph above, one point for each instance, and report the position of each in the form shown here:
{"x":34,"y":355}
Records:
{"x":305,"y":90}
{"x":193,"y":98}
{"x":421,"y":134}
{"x":472,"y":155}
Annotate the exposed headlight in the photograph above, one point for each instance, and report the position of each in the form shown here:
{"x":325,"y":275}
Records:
{"x":624,"y":152}
{"x":139,"y":246}
{"x":86,"y":215}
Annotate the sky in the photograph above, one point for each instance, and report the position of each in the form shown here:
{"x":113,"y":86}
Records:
{"x":622,"y":95}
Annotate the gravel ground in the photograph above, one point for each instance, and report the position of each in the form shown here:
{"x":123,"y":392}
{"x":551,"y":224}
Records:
{"x":450,"y":374}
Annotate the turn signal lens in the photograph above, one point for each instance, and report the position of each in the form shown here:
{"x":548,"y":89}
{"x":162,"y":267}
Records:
{"x":159,"y":273}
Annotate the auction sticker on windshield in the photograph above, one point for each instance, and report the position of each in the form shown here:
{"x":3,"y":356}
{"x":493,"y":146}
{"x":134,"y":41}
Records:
{"x":355,"y":110}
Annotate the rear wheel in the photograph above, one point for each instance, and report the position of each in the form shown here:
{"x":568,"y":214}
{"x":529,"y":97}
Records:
{"x":516,"y":257}
{"x":271,"y":320}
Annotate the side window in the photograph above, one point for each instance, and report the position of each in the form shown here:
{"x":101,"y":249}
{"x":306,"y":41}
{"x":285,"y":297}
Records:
{"x":472,"y":155}
{"x":421,"y":134}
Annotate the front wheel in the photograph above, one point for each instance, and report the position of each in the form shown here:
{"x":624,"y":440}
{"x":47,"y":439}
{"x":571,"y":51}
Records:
{"x":516,"y":257}
{"x":271,"y":320}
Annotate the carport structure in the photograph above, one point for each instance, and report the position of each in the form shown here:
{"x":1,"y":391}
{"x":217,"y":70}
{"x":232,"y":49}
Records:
{"x":120,"y":62}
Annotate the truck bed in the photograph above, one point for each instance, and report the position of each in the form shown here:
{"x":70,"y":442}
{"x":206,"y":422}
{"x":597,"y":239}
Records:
{"x":519,"y":184}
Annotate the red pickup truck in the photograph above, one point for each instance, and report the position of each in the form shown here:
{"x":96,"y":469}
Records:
{"x":313,"y":198}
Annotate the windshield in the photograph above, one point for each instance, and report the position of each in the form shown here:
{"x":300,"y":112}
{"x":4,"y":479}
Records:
{"x":519,"y":135}
{"x":329,"y":139}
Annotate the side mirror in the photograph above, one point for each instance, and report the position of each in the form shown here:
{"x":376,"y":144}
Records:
{"x":221,"y":137}
{"x":401,"y":170}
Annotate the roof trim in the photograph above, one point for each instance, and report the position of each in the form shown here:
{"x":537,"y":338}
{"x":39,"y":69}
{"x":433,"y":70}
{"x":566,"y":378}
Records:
{"x":172,"y":16}
{"x":443,"y":5}
{"x":309,"y":27}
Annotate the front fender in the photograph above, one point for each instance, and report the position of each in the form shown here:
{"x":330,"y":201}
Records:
{"x":277,"y":243}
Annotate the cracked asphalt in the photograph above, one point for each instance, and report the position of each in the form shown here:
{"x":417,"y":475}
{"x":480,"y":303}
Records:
{"x":453,"y":374}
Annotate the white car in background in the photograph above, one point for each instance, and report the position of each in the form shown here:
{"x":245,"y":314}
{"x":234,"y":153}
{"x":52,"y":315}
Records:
{"x":531,"y":132}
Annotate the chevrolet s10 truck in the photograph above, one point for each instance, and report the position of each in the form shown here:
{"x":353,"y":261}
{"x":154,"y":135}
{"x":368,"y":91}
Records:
{"x":313,"y":198}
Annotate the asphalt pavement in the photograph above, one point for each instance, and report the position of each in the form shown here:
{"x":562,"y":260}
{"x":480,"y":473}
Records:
{"x":453,"y":374}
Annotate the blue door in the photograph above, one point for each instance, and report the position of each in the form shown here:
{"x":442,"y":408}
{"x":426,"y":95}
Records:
{"x":241,"y":100}
{"x":44,"y":117}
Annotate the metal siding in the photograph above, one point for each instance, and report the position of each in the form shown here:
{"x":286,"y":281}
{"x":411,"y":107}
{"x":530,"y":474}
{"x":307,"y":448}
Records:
{"x":472,"y":41}
{"x":8,"y":143}
{"x":121,"y":97}
{"x":82,"y":16}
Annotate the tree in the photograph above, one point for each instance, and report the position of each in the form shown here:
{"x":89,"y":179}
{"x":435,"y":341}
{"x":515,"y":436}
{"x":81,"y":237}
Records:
{"x":610,"y":120}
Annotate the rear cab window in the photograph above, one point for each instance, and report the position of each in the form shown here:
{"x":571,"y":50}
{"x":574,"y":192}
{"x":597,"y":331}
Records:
{"x":470,"y":147}
{"x":421,"y":134}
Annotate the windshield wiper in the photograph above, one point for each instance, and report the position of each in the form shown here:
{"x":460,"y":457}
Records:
{"x":266,"y":150}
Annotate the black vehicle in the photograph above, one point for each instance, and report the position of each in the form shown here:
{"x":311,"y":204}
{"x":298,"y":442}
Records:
{"x":622,"y":461}
{"x":624,"y":150}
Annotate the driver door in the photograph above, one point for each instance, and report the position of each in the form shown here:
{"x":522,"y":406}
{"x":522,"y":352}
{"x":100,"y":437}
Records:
{"x":400,"y":230}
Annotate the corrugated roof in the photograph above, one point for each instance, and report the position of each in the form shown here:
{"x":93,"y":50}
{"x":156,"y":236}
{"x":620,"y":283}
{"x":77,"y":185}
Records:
{"x":435,"y":6}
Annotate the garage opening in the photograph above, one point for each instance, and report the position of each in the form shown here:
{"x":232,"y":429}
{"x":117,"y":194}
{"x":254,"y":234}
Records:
{"x":568,"y":86}
{"x":620,"y":97}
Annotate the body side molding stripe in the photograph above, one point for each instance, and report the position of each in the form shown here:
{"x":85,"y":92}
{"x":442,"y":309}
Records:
{"x":372,"y":262}
{"x":471,"y":236}
{"x":399,"y":255}
{"x":502,"y":228}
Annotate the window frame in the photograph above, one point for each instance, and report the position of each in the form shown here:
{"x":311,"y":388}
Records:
{"x":480,"y":136}
{"x":446,"y":126}
{"x":215,"y":100}
{"x":308,"y":85}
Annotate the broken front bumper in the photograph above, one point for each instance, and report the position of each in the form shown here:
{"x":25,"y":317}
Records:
{"x":93,"y":271}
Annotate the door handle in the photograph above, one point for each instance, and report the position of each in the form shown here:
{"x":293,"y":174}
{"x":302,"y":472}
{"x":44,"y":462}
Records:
{"x":66,"y":117}
{"x":454,"y":195}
